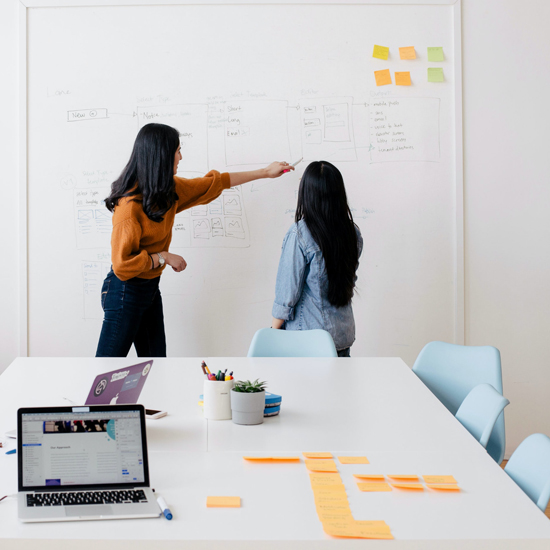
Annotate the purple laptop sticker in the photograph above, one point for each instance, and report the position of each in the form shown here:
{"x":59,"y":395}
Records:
{"x":119,"y":386}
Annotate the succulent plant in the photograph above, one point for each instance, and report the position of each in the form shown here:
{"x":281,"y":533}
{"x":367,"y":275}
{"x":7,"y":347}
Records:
{"x":246,"y":386}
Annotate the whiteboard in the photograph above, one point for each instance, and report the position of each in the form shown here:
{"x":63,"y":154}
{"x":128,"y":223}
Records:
{"x":245,"y":85}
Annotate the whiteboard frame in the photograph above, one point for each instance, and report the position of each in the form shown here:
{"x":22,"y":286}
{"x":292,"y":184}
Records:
{"x":24,"y":6}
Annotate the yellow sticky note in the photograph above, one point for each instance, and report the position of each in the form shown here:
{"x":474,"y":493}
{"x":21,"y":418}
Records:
{"x":439,"y":479}
{"x":403,"y":78}
{"x":369,"y":476}
{"x":404,"y":477}
{"x":317,"y":455}
{"x":407,"y":53}
{"x":380,"y":52}
{"x":321,"y":465}
{"x":374,"y":487}
{"x":443,"y":486}
{"x":223,"y":502}
{"x":353,"y":460}
{"x":435,"y":74}
{"x":409,"y":486}
{"x":325,"y":479}
{"x":436,"y":54}
{"x":382,"y":77}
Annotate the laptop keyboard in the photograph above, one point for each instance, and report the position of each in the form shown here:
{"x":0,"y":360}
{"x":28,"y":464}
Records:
{"x":63,"y":498}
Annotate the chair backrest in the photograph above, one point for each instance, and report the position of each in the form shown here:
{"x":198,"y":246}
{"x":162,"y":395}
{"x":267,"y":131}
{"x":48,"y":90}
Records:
{"x":450,"y":371}
{"x":479,"y":411}
{"x":529,"y":467}
{"x":269,"y":342}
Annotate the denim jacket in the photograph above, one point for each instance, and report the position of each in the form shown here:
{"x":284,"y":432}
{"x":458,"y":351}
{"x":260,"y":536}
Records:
{"x":302,"y":287}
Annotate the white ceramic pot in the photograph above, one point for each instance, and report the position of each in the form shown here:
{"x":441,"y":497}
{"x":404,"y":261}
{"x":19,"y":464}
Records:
{"x":247,"y":408}
{"x":217,"y":399}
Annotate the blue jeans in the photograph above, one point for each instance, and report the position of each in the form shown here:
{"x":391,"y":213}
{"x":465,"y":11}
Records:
{"x":133,"y":315}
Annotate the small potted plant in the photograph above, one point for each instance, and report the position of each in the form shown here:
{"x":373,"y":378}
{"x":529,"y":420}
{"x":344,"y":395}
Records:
{"x":248,"y":402}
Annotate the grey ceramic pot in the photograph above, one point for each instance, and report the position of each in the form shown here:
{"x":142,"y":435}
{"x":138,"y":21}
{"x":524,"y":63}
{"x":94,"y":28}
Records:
{"x":247,"y":408}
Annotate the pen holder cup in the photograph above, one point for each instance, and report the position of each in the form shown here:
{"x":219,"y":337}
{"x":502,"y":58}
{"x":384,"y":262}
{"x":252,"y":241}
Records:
{"x":217,"y":399}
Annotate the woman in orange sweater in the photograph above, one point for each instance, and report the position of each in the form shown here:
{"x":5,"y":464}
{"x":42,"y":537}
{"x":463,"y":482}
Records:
{"x":145,"y":200}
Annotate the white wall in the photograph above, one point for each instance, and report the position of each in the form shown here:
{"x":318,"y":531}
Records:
{"x":506,"y":144}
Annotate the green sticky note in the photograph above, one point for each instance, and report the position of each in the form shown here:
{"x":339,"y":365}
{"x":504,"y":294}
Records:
{"x":435,"y":54}
{"x":435,"y":74}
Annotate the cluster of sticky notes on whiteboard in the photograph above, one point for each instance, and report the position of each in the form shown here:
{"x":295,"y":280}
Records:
{"x":403,"y":78}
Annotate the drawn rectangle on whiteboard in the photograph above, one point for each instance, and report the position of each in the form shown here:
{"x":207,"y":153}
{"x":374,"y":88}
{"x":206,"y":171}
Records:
{"x":92,"y":219}
{"x":256,"y":131}
{"x":234,"y":228}
{"x":337,"y":122}
{"x":308,"y":122}
{"x":309,"y":110}
{"x":191,"y":121}
{"x":86,"y":114}
{"x":405,"y":129}
{"x":93,"y":274}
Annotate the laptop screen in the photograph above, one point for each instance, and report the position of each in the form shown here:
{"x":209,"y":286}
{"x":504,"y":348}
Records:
{"x":82,"y":447}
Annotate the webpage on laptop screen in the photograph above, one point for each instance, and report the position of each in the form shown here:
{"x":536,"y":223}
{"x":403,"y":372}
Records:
{"x":82,"y":448}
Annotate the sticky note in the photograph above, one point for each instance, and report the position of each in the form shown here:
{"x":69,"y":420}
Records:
{"x":435,"y":54}
{"x":328,"y":489}
{"x":403,"y":78}
{"x":317,"y":455}
{"x":439,"y":479}
{"x":273,"y":458}
{"x":380,"y":52}
{"x":369,"y":476}
{"x":321,"y":465}
{"x":325,"y":479}
{"x":409,"y":486}
{"x":353,"y":529}
{"x":435,"y":74}
{"x":404,"y":477}
{"x":353,"y":460}
{"x":223,"y":502}
{"x":407,"y":53}
{"x":328,"y":516}
{"x":382,"y":77}
{"x":443,"y":486}
{"x":379,"y":487}
{"x":331,"y":498}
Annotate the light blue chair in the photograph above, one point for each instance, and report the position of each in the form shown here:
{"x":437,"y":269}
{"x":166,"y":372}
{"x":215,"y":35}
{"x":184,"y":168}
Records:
{"x":479,"y":411}
{"x":450,"y":371}
{"x":270,"y":342}
{"x":529,"y":467}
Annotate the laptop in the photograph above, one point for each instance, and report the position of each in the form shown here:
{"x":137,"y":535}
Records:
{"x":119,"y":386}
{"x":83,"y":463}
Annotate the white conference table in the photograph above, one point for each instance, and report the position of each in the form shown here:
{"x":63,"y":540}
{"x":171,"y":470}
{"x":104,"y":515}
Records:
{"x":360,"y":406}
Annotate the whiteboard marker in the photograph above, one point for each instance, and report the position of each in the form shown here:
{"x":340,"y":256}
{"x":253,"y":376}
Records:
{"x":294,"y":165}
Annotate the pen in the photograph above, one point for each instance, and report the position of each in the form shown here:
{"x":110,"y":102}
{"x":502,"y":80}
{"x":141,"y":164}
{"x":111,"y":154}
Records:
{"x":294,"y":164}
{"x":203,"y":365}
{"x":164,"y":508}
{"x":12,"y":452}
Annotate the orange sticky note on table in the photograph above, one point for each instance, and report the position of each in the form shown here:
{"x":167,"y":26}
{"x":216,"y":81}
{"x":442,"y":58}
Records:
{"x":403,"y":78}
{"x":328,"y":489}
{"x":374,"y":487}
{"x":321,"y":465}
{"x":272,"y":458}
{"x":443,"y":486}
{"x":353,"y":460}
{"x":409,"y":486}
{"x":369,"y":476}
{"x":404,"y":477}
{"x":223,"y":502}
{"x":355,"y":530}
{"x":407,"y":53}
{"x":325,"y":479}
{"x":382,"y":77}
{"x":317,"y":455}
{"x":439,"y":479}
{"x":380,"y":52}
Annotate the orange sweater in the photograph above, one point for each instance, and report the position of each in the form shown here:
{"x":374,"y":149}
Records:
{"x":135,"y":236}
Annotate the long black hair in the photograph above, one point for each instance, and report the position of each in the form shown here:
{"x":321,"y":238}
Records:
{"x":149,"y":172}
{"x":323,"y":205}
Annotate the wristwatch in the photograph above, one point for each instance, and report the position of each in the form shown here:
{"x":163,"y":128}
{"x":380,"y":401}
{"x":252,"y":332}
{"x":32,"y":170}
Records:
{"x":162,"y":261}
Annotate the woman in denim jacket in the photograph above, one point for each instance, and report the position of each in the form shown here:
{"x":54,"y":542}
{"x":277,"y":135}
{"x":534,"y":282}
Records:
{"x":319,"y":260}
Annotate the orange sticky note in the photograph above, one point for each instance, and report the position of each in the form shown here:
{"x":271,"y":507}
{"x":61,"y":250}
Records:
{"x":321,"y":465}
{"x":223,"y":502}
{"x":380,"y":52}
{"x":331,"y":498}
{"x":272,"y":458}
{"x":328,"y":489}
{"x":407,"y":53}
{"x":439,"y":479}
{"x":443,"y":486}
{"x":382,"y":77}
{"x":355,"y":531}
{"x":325,"y":479}
{"x":404,"y":477}
{"x":409,"y":486}
{"x":374,"y":487}
{"x":317,"y":455}
{"x":369,"y":476}
{"x":403,"y":78}
{"x":353,"y":460}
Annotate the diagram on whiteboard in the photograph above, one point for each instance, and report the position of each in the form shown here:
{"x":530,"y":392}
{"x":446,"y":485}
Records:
{"x":92,"y":219}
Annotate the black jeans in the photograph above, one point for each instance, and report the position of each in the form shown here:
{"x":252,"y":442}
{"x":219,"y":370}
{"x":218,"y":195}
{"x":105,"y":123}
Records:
{"x":133,"y":315}
{"x":343,"y":352}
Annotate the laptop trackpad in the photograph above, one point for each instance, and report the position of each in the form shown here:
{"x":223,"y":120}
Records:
{"x":94,"y":510}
